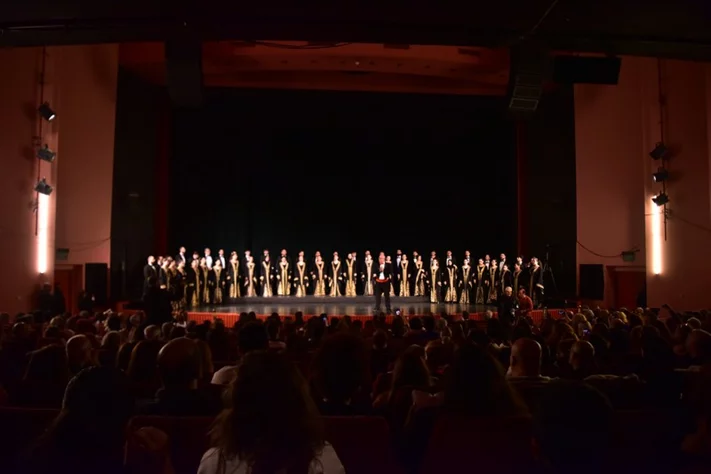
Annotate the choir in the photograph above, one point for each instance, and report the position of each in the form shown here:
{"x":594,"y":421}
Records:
{"x":215,"y":280}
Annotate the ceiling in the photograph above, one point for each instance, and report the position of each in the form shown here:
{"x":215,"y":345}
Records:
{"x":351,"y":66}
{"x":669,"y":28}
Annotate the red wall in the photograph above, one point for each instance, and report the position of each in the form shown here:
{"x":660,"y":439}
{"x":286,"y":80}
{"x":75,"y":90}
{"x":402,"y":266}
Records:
{"x":616,"y":128}
{"x":78,"y":81}
{"x":20,"y":92}
{"x":87,"y":104}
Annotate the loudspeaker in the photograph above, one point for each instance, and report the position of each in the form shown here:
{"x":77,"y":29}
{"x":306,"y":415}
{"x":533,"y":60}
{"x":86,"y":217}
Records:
{"x":96,"y":278}
{"x":183,"y":60}
{"x":526,"y":76}
{"x":592,"y":282}
{"x":586,"y":70}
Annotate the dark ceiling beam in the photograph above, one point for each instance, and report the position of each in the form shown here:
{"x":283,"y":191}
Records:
{"x":675,"y":29}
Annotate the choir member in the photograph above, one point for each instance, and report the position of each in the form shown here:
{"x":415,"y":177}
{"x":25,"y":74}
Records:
{"x":250,"y":277}
{"x":318,"y":276}
{"x":465,"y":281}
{"x":196,"y":257}
{"x":502,"y":262}
{"x":487,"y":261}
{"x":233,"y":278}
{"x":367,"y":275}
{"x":420,"y":277}
{"x":433,"y":257}
{"x":493,"y":294}
{"x":181,"y":256}
{"x":182,"y":281}
{"x":149,"y":271}
{"x":351,"y":275}
{"x":266,"y":276}
{"x":172,"y":283}
{"x":467,"y":258}
{"x":247,"y":254}
{"x":217,"y":279}
{"x":312,"y":266}
{"x":450,"y":281}
{"x":397,"y":271}
{"x":389,"y":260}
{"x":163,"y":274}
{"x":208,"y":257}
{"x":284,"y":254}
{"x":505,"y":278}
{"x":449,"y":259}
{"x":221,"y":258}
{"x":193,"y":287}
{"x":517,"y":278}
{"x":435,"y":281}
{"x":335,"y":276}
{"x":301,"y":276}
{"x":481,"y":276}
{"x":357,"y":269}
{"x":205,"y":281}
{"x":404,"y":276}
{"x":283,"y":276}
{"x":265,"y":254}
{"x":535,"y":282}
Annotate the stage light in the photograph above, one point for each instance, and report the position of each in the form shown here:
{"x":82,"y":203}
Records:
{"x":660,"y":175}
{"x":46,"y":112}
{"x":46,"y":154}
{"x":660,"y":199}
{"x":656,"y":238}
{"x":43,"y":188}
{"x":42,"y":232}
{"x":660,"y":152}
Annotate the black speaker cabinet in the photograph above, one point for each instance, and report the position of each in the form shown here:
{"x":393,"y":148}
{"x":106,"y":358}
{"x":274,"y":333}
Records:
{"x":96,"y":278}
{"x":592,"y":282}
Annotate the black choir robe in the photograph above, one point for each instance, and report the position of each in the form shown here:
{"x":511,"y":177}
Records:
{"x":266,"y":278}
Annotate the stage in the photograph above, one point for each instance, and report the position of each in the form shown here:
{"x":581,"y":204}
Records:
{"x":359,"y":307}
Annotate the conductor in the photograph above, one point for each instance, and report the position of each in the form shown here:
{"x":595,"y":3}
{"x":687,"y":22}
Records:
{"x":383,"y":275}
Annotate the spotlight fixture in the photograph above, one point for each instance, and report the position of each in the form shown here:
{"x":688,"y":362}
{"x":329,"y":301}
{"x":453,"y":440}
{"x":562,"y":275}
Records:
{"x":46,"y":154}
{"x":660,"y":152}
{"x":660,"y":175}
{"x":46,"y":112}
{"x":43,"y":188}
{"x":661,"y":199}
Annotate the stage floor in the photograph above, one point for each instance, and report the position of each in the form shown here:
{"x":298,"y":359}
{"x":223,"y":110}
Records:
{"x":336,"y":306}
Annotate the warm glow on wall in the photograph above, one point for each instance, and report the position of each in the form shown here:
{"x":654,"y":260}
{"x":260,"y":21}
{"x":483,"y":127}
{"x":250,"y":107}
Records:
{"x":42,"y":232}
{"x":657,"y":230}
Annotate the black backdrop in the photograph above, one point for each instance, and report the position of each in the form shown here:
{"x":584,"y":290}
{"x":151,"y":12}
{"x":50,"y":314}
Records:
{"x":342,"y":171}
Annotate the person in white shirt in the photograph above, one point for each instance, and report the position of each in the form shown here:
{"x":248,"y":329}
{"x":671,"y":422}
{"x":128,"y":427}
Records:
{"x":281,"y":433}
{"x":208,"y":258}
{"x":221,"y":258}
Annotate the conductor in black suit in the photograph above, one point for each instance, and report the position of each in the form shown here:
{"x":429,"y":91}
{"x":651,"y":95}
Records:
{"x":383,"y":274}
{"x":149,"y":271}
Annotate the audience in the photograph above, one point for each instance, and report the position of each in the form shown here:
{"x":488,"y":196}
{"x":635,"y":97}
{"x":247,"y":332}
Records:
{"x":576,"y":375}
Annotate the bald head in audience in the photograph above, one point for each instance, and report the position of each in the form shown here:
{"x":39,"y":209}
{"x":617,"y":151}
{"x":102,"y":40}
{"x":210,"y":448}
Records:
{"x":525,"y":358}
{"x":151,"y":333}
{"x":79,"y":353}
{"x":179,"y":364}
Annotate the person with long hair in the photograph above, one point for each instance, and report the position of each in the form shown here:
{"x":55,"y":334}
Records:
{"x":271,"y":425}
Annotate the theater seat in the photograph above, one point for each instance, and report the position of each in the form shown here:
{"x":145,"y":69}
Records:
{"x":187,"y":435}
{"x":19,"y":428}
{"x":362,"y":443}
{"x":460,"y":444}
